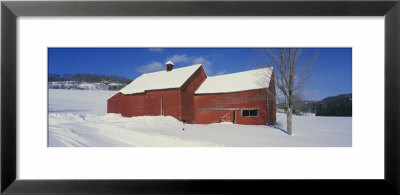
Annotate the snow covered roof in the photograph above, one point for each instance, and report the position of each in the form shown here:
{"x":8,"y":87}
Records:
{"x":235,"y":82}
{"x":170,"y":62}
{"x":160,"y":80}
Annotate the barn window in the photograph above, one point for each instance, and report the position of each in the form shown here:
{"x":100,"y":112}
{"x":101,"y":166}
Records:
{"x":250,"y":112}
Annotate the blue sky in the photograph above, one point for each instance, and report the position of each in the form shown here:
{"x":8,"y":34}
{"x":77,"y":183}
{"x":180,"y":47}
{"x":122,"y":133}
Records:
{"x":331,"y":74}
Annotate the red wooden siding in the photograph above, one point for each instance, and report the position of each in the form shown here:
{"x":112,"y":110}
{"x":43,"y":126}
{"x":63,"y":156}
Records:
{"x":187,"y":91}
{"x":271,"y":101}
{"x":148,"y":103}
{"x":171,"y":101}
{"x":211,"y":108}
{"x":152,"y":105}
{"x":127,"y":105}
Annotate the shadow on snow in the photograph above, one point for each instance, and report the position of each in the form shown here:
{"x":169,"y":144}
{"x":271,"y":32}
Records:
{"x":280,"y":129}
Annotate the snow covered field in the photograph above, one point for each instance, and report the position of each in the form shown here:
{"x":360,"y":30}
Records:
{"x":78,"y":119}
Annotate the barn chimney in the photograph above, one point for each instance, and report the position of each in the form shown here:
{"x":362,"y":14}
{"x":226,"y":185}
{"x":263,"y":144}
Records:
{"x":169,"y":65}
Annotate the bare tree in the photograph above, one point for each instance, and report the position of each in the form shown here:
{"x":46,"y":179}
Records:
{"x":293,"y":67}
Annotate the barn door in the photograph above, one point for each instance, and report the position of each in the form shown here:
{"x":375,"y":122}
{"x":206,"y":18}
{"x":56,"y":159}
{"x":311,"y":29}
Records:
{"x":228,"y":117}
{"x":153,"y":105}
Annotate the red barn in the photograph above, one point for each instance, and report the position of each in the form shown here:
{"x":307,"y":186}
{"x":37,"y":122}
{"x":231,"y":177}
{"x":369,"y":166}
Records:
{"x":190,"y":96}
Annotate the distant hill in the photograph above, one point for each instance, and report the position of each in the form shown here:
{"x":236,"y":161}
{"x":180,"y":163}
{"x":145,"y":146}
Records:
{"x":87,"y":82}
{"x":88,"y":78}
{"x":340,"y":105}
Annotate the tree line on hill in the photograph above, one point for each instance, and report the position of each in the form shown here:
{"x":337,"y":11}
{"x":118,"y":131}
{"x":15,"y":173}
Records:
{"x":340,"y":105}
{"x":86,"y":82}
{"x":89,"y":78}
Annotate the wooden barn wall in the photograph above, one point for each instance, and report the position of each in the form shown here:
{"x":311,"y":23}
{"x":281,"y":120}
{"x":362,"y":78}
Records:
{"x":148,"y":103}
{"x":126,"y":105}
{"x":210,"y":108}
{"x":187,"y":91}
{"x":171,"y":101}
{"x":271,"y":108}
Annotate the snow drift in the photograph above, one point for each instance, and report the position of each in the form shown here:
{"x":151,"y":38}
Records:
{"x":78,"y":119}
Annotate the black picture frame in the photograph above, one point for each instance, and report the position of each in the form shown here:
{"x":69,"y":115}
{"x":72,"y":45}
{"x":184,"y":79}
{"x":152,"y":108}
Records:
{"x":11,"y":10}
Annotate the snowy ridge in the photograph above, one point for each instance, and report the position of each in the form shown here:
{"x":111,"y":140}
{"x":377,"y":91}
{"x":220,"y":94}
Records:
{"x":235,"y":82}
{"x":160,"y":80}
{"x":83,"y":85}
